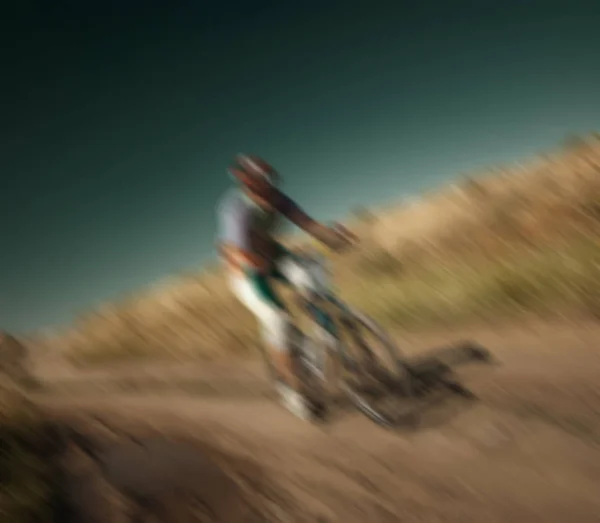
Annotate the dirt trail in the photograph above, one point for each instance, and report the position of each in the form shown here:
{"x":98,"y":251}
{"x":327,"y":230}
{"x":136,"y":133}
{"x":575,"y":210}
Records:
{"x":529,"y":450}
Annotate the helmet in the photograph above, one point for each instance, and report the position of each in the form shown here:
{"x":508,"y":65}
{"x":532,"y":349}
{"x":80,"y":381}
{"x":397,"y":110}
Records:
{"x":255,"y":174}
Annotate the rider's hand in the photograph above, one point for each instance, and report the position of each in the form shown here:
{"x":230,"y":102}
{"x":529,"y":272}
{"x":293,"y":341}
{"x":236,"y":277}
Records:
{"x":342,"y":238}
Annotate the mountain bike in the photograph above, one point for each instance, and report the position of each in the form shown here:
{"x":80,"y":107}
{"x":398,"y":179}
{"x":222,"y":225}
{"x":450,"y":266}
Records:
{"x":345,"y":350}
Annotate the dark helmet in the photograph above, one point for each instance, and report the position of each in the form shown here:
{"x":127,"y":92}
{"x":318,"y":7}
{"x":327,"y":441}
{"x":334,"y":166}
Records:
{"x":255,"y":174}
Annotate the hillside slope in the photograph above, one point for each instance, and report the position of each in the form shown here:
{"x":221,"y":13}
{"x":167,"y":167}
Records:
{"x":511,"y":239}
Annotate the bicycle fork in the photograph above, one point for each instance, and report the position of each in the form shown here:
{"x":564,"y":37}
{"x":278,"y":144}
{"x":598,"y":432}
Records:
{"x":325,"y":335}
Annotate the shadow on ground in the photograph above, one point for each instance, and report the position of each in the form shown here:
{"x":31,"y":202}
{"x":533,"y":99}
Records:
{"x":440,"y":391}
{"x":436,"y":395}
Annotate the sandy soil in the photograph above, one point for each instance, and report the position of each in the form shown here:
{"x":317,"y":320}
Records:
{"x":528,"y":450}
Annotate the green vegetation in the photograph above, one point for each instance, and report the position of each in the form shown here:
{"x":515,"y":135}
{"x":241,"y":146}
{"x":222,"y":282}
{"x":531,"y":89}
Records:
{"x":545,"y":281}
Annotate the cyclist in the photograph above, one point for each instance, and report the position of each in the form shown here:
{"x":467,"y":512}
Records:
{"x":249,"y":217}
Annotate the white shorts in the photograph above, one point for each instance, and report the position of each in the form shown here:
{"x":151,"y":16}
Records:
{"x":256,"y":293}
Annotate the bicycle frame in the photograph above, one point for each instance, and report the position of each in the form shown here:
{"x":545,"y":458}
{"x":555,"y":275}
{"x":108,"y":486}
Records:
{"x":314,"y":306}
{"x":356,"y":359}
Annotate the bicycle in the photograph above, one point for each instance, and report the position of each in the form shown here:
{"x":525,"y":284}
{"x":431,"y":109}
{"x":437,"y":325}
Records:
{"x":335,"y":342}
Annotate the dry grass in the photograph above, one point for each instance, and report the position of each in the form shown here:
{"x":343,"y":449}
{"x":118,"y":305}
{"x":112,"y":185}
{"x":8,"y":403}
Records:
{"x":515,"y":239}
{"x":551,"y":280}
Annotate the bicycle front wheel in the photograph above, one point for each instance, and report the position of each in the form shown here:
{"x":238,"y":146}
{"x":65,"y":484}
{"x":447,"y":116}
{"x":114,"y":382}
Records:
{"x":375,"y":378}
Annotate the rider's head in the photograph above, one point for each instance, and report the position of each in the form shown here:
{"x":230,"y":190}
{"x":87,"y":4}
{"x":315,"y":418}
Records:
{"x":258,"y":178}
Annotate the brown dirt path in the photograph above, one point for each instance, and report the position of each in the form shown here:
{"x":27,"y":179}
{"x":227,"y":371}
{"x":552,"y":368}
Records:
{"x":528,"y":451}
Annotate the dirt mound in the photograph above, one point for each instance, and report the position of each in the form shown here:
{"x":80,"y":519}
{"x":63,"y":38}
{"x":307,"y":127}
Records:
{"x":77,"y":469}
{"x":151,"y":480}
{"x":136,"y":474}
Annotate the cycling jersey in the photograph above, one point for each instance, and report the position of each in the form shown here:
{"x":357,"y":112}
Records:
{"x":243,"y":223}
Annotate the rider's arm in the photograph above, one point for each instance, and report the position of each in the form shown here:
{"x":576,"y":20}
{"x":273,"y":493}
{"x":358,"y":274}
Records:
{"x":292,"y":211}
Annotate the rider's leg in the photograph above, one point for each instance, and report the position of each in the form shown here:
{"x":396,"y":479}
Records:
{"x":256,"y":293}
{"x":294,"y":271}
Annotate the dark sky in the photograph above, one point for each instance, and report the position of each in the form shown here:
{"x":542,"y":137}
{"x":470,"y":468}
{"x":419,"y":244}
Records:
{"x":120,"y":117}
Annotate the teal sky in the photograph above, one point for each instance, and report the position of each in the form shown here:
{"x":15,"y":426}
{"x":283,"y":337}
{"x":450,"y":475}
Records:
{"x":120,"y":121}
